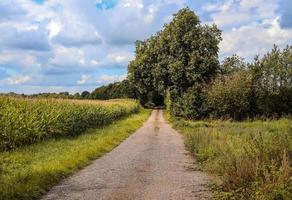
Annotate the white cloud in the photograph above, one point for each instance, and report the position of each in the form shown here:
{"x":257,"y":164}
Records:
{"x":105,"y":79}
{"x":26,"y":39}
{"x":58,"y":41}
{"x":252,"y":39}
{"x":67,"y":57}
{"x":19,"y":60}
{"x":77,"y":34}
{"x":218,"y":6}
{"x":249,"y":27}
{"x":54,"y":28}
{"x":16,"y":80}
{"x":85,"y":78}
{"x":237,"y":13}
{"x":94,"y":62}
{"x":122,"y":57}
{"x":132,"y":3}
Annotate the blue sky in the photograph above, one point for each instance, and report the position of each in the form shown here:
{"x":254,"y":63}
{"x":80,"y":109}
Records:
{"x":76,"y":45}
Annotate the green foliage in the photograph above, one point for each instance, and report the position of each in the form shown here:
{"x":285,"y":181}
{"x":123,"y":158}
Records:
{"x":262,"y":88}
{"x":184,"y":53}
{"x":26,"y":121}
{"x":116,"y":90}
{"x":61,"y":95}
{"x":251,"y":158}
{"x":229,"y":96}
{"x":85,"y":94}
{"x":28,"y":172}
{"x":180,"y":63}
{"x":272,"y":82}
{"x":232,"y":64}
{"x":192,"y":103}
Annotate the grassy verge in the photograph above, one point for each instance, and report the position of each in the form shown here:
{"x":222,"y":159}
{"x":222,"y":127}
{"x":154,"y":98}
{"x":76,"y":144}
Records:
{"x":27,"y":172}
{"x":253,"y":159}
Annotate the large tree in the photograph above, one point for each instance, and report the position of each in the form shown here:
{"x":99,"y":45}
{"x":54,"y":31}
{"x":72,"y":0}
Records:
{"x":179,"y":59}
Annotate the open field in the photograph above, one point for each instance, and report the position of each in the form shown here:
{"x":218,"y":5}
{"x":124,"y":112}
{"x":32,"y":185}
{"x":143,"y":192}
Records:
{"x":27,"y":172}
{"x":27,"y":121}
{"x":252,"y":158}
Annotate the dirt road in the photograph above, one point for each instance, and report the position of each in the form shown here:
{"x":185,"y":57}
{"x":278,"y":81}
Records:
{"x":151,"y":164}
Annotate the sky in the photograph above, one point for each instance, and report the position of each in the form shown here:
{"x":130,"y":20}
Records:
{"x":77,"y":45}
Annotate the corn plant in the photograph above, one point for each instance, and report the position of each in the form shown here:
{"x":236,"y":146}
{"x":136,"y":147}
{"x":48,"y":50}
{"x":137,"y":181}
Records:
{"x":27,"y":121}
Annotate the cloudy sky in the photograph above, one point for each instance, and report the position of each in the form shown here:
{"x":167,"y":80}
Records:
{"x":76,"y":45}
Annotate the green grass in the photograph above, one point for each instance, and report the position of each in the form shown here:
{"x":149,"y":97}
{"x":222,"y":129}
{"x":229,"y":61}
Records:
{"x":27,"y":121}
{"x":252,"y":158}
{"x":28,"y":172}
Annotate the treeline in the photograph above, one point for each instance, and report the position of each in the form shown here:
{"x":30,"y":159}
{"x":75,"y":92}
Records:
{"x":53,"y":95}
{"x":247,"y":90}
{"x":117,"y":90}
{"x":179,"y":66}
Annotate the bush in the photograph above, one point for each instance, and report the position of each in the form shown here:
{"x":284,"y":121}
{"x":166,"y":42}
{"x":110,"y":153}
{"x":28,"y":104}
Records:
{"x":229,"y":96}
{"x":260,"y":89}
{"x":26,"y":121}
{"x":192,"y":103}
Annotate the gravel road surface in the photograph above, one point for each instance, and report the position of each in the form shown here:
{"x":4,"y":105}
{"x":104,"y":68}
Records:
{"x":152,"y":164}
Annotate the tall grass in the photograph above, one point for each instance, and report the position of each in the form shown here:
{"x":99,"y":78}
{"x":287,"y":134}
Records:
{"x":30,"y":171}
{"x":253,"y":159}
{"x":26,"y":121}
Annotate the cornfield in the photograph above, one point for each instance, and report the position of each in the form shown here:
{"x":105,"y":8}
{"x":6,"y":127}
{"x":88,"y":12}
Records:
{"x":27,"y":121}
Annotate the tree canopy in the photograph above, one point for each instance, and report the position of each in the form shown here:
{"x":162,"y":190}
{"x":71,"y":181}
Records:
{"x":178,"y":66}
{"x":175,"y":61}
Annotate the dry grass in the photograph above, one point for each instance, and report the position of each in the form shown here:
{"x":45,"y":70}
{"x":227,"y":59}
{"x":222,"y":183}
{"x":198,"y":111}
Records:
{"x":253,"y":159}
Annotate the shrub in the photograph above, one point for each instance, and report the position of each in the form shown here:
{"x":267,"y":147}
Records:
{"x":229,"y":96}
{"x":192,"y":103}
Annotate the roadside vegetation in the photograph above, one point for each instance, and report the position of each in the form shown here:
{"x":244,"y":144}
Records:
{"x":251,"y":158}
{"x":27,"y":121}
{"x":179,"y":67}
{"x":28,"y":172}
{"x":243,"y":133}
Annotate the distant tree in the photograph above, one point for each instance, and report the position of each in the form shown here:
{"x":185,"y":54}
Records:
{"x":116,"y":90}
{"x":64,"y":93}
{"x":85,"y":94}
{"x":77,"y":95}
{"x":99,"y":93}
